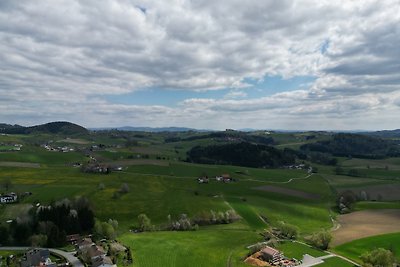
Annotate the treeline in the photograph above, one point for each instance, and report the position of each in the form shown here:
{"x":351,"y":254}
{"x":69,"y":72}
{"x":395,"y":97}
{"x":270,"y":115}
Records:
{"x":355,"y":145}
{"x":230,"y":135}
{"x":47,"y":226}
{"x":185,"y":223}
{"x":242,"y":154}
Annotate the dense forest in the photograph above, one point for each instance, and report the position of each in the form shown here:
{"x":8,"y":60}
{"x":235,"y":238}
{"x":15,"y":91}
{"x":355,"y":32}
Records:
{"x":355,"y":145}
{"x":242,"y":154}
{"x":49,"y":225}
{"x":227,"y":135}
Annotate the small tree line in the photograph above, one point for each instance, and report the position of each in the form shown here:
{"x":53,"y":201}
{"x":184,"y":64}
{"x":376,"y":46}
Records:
{"x":184,"y":223}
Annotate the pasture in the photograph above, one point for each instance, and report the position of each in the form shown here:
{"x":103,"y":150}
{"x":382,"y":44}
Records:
{"x":162,"y":185}
{"x":297,"y":250}
{"x":335,"y":262}
{"x":203,"y":248}
{"x":355,"y":248}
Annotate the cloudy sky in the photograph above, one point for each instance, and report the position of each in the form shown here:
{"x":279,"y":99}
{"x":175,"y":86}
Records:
{"x":281,"y":64}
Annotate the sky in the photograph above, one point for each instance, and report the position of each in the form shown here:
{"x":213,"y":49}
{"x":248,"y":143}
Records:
{"x":287,"y":64}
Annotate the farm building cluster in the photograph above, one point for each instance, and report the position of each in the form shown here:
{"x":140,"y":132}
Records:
{"x":269,"y":256}
{"x":91,"y":253}
{"x":64,"y":149}
{"x":10,"y":147}
{"x":37,"y":257}
{"x":224,"y":178}
{"x":8,"y":198}
{"x":95,"y":255}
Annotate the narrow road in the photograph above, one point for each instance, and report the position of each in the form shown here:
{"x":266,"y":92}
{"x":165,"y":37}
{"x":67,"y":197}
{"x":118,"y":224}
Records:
{"x":275,"y":182}
{"x":69,"y":256}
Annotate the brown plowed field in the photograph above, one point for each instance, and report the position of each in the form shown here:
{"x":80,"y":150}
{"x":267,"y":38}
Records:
{"x":366,"y":223}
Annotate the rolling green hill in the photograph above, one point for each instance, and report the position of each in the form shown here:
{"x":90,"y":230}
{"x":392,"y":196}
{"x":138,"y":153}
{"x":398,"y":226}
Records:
{"x":59,"y":127}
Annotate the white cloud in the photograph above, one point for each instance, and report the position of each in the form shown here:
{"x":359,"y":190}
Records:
{"x":60,"y":57}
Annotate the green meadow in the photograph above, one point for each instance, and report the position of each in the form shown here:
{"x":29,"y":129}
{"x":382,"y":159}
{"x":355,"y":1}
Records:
{"x":162,"y":185}
{"x":203,"y":248}
{"x":354,"y":249}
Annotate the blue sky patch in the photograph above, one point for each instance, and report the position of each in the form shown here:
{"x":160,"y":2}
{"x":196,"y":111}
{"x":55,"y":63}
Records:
{"x":167,"y":97}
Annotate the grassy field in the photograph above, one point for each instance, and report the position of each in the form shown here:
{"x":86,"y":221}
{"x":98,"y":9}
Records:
{"x":296,"y":250}
{"x":160,"y":191}
{"x":162,"y":185}
{"x":336,"y":262}
{"x":373,"y":205}
{"x":354,"y":249}
{"x":201,"y":248}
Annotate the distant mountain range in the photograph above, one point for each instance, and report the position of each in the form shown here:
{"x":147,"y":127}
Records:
{"x":150,"y":129}
{"x":63,"y":127}
{"x":385,"y":133}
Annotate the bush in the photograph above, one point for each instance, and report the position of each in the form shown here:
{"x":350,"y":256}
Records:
{"x":144,"y":223}
{"x":124,"y":188}
{"x":321,"y":239}
{"x":287,"y":230}
{"x":379,"y":257}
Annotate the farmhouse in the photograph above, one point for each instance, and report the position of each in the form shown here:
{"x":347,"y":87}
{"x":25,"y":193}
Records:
{"x":8,"y":198}
{"x":37,"y":257}
{"x":95,"y":252}
{"x":203,"y":180}
{"x":272,"y":255}
{"x":73,"y":239}
{"x":84,"y":244}
{"x":226,"y":178}
{"x":103,"y":262}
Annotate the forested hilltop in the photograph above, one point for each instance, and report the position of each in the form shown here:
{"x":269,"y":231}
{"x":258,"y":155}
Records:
{"x":58,"y":127}
{"x":242,"y":154}
{"x":355,"y":145}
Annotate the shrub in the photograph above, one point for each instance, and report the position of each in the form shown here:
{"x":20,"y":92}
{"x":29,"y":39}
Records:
{"x":378,"y":257}
{"x":321,"y":239}
{"x":287,"y":230}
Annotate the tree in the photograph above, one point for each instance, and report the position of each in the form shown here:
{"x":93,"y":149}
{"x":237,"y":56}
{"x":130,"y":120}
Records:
{"x":346,"y":201}
{"x":124,"y":188}
{"x":321,"y":239}
{"x":86,"y":218}
{"x":104,"y":230}
{"x":288,"y":231}
{"x":21,"y":233}
{"x":4,"y":235}
{"x":144,"y":223}
{"x":38,"y":240}
{"x":55,"y":237}
{"x":6,"y":183}
{"x":101,"y":186}
{"x":379,"y":257}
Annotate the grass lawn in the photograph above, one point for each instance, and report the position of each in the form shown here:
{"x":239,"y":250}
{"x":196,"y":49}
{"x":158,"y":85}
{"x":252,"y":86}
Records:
{"x":5,"y":253}
{"x":194,"y":248}
{"x":335,"y":262}
{"x":297,"y":250}
{"x":354,"y":249}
